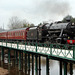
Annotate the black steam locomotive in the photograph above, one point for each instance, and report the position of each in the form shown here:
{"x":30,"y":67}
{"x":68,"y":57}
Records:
{"x":57,"y":32}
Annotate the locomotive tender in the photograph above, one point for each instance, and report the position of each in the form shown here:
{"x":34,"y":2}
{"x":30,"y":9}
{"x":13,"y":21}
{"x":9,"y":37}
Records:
{"x":57,"y":32}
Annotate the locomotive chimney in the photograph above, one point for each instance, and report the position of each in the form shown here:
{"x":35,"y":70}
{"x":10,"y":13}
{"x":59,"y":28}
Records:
{"x":68,"y":18}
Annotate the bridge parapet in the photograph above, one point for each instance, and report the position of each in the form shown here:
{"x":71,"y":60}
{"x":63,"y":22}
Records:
{"x":57,"y":50}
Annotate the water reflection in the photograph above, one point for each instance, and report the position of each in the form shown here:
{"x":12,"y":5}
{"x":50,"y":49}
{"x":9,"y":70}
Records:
{"x":53,"y":66}
{"x":6,"y":60}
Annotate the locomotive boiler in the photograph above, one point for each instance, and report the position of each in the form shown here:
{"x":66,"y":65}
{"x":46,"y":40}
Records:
{"x":57,"y":32}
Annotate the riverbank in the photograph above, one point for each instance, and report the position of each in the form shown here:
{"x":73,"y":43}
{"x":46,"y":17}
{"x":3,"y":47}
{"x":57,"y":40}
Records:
{"x":3,"y":71}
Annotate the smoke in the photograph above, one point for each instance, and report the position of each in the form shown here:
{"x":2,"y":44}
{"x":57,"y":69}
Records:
{"x":52,"y":7}
{"x":37,"y":11}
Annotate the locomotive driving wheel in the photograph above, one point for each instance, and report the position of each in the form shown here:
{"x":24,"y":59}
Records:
{"x":58,"y":41}
{"x":52,"y":39}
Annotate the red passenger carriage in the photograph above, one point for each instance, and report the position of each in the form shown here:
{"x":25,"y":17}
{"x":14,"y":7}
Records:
{"x":3,"y":35}
{"x":18,"y":34}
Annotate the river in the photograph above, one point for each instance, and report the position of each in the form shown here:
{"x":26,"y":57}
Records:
{"x":53,"y":66}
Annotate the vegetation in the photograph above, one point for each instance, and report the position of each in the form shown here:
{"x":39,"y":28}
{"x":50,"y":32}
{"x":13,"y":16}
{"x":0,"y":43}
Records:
{"x":68,"y":16}
{"x":15,"y":23}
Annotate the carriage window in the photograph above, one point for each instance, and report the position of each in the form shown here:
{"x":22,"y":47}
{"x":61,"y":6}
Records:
{"x":10,"y":34}
{"x":15,"y":33}
{"x":19,"y":33}
{"x":23,"y":33}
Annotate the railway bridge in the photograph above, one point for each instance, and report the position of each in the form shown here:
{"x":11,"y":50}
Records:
{"x":63,"y":53}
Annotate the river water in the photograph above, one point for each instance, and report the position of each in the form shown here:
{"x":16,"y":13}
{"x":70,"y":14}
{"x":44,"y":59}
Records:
{"x":53,"y":66}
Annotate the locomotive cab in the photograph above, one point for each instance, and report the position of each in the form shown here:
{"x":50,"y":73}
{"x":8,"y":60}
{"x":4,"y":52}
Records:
{"x":43,"y":32}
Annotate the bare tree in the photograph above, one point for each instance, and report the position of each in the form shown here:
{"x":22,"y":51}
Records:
{"x":27,"y":24}
{"x":1,"y":29}
{"x":14,"y":23}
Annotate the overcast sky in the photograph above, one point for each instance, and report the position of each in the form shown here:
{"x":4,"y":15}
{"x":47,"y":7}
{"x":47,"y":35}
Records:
{"x":35,"y":11}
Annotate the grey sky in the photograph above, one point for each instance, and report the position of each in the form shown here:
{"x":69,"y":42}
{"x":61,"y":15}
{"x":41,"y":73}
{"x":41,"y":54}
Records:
{"x":35,"y":11}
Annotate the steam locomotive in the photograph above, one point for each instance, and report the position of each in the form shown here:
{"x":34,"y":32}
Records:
{"x":57,"y":32}
{"x":53,"y":33}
